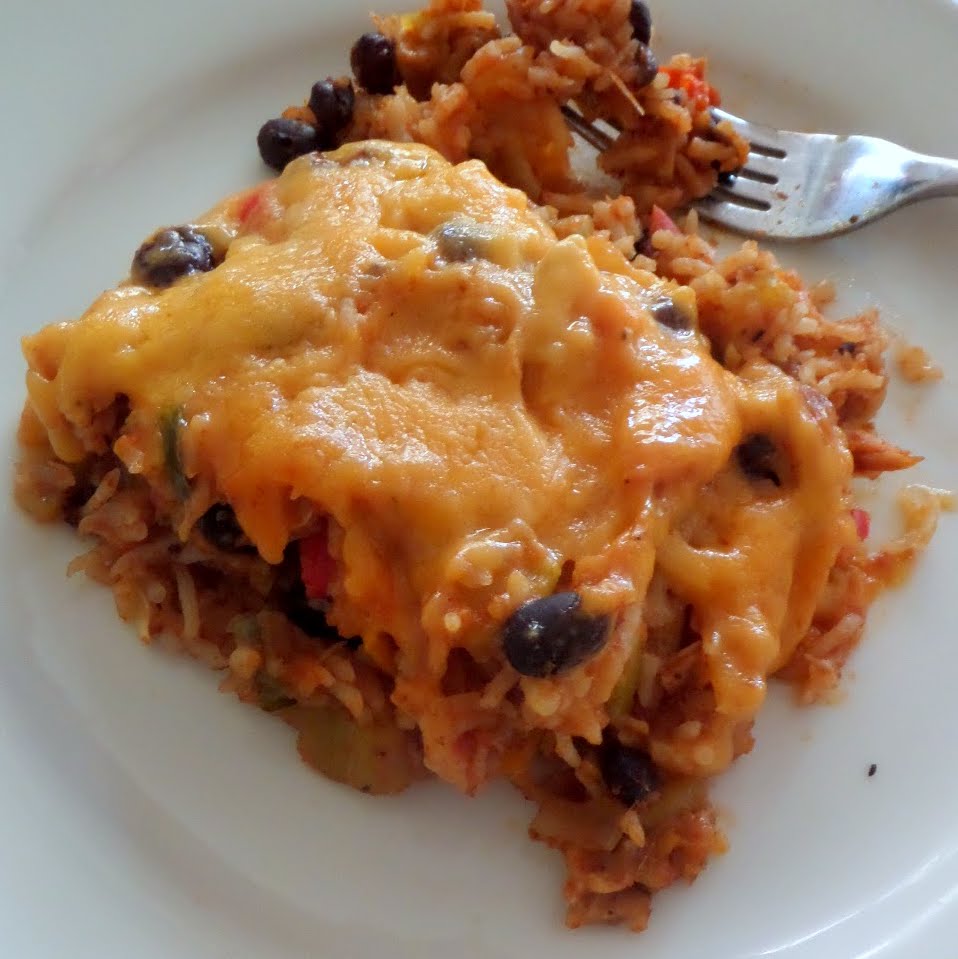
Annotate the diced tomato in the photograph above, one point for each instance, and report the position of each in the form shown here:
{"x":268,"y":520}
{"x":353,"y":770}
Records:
{"x":315,"y":564}
{"x":700,"y":92}
{"x":862,"y":522}
{"x":660,"y":220}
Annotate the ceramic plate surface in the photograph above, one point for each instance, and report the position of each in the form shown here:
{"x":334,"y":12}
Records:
{"x":142,"y":814}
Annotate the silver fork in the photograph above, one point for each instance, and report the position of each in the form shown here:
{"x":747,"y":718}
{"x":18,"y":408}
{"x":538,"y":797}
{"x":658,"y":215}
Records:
{"x":804,"y":186}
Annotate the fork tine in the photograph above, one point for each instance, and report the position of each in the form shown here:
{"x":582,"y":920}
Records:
{"x":743,"y":203}
{"x":732,"y":215}
{"x":767,"y":145}
{"x":751,"y":192}
{"x":771,"y":169}
{"x":594,"y":137}
{"x":765,"y":140}
{"x":749,"y":172}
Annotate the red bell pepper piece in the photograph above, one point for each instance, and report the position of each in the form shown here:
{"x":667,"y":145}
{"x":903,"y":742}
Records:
{"x":862,"y":522}
{"x":700,"y":92}
{"x":315,"y":564}
{"x":660,"y":220}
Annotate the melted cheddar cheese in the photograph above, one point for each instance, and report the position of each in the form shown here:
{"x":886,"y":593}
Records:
{"x":481,"y":412}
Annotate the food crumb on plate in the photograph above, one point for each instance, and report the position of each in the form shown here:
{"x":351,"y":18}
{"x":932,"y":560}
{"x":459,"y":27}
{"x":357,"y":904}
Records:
{"x":916,"y":365}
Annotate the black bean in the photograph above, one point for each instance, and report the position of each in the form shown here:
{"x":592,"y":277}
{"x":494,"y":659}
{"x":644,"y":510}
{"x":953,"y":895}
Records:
{"x":646,"y":64}
{"x":551,"y":635}
{"x":220,"y":528}
{"x":282,"y":140}
{"x":756,"y":458}
{"x":629,"y":774}
{"x":310,"y":620}
{"x":309,"y":616}
{"x":171,"y":254}
{"x":373,"y":59}
{"x":848,"y":348}
{"x":332,"y":104}
{"x":641,"y":20}
{"x":669,"y":314}
{"x":727,"y":177}
{"x":643,"y":245}
{"x":461,"y":239}
{"x":288,"y":596}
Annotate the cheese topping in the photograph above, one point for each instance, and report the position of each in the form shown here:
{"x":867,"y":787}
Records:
{"x":404,"y":347}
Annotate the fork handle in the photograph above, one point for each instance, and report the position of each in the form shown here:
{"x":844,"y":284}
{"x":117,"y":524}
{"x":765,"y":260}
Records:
{"x":926,"y":177}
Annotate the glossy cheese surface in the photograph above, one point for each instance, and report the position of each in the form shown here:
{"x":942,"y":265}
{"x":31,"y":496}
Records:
{"x":404,"y":347}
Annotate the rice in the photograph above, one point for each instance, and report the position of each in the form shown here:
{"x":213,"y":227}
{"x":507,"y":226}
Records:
{"x":471,"y":92}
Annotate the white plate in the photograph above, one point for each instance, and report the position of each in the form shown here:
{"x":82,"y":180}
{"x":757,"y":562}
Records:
{"x":142,"y":814}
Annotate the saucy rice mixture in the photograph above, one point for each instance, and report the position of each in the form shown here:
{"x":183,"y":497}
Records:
{"x":469,"y":467}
